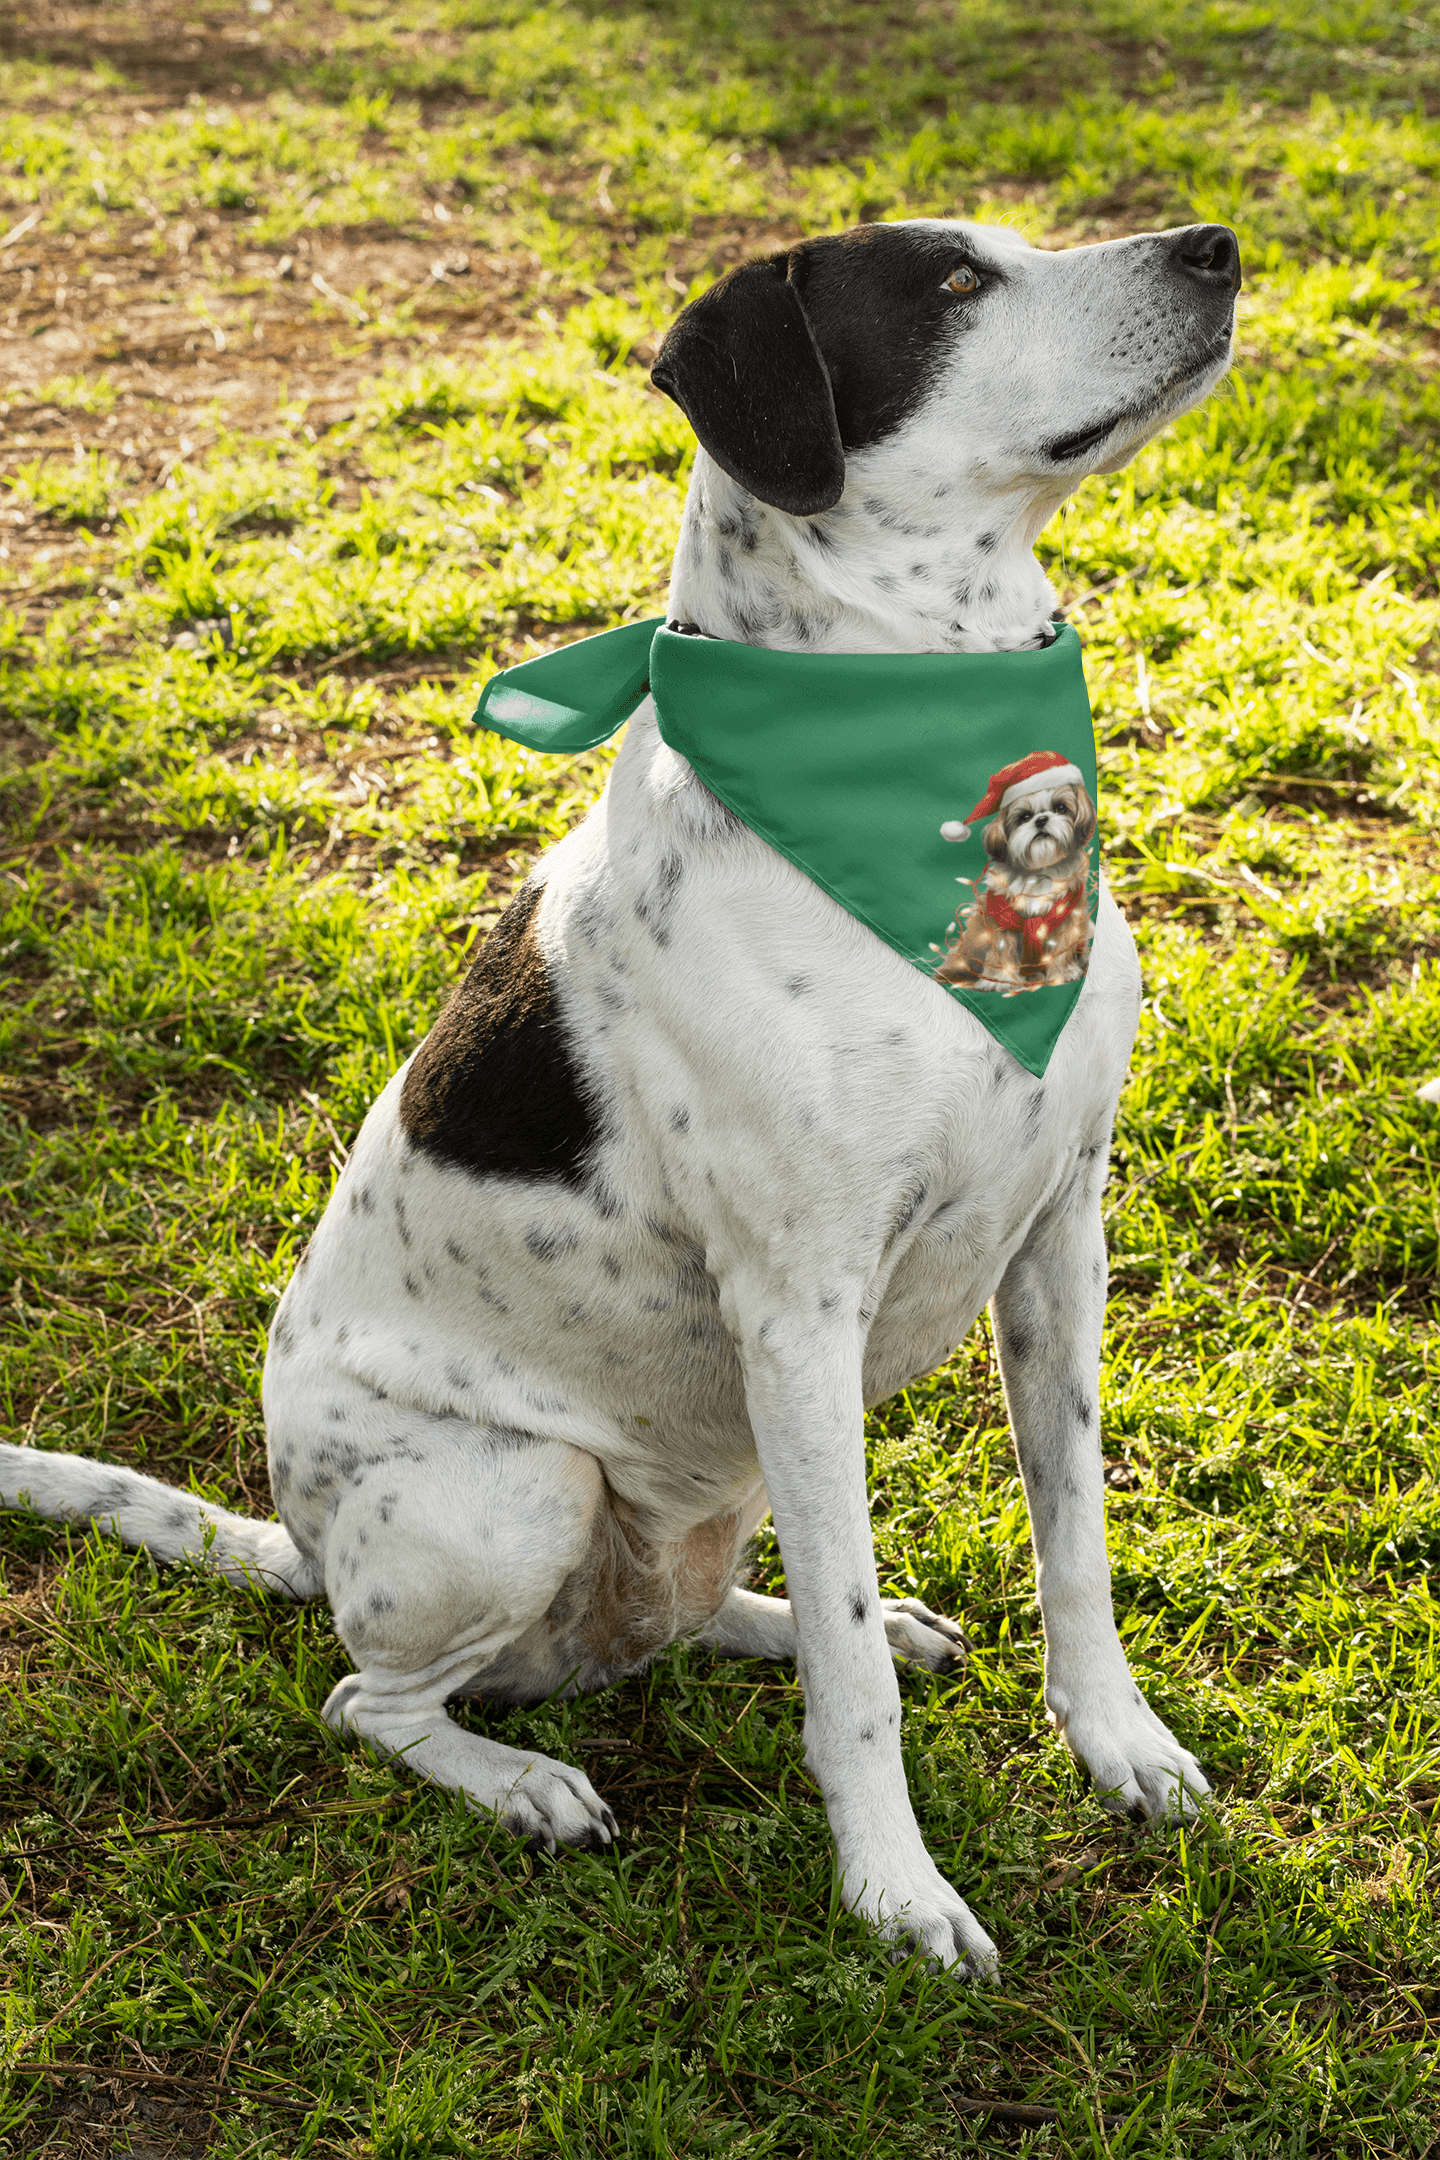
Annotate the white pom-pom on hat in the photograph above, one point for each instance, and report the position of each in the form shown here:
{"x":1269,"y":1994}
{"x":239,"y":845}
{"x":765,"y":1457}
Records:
{"x":954,"y":829}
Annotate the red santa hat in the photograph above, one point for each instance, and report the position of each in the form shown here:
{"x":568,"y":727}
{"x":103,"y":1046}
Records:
{"x":1028,"y":776}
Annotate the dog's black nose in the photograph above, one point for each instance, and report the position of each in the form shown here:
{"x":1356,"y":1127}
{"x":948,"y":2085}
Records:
{"x":1208,"y":253}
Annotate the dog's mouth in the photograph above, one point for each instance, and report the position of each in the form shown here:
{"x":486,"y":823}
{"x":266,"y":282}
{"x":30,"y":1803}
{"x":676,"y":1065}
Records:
{"x":1173,"y":391}
{"x":1043,"y":849}
{"x":1066,"y":448}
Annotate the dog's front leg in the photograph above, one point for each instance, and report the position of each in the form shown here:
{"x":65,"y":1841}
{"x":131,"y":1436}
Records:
{"x":1049,"y":1313}
{"x":803,"y":1388}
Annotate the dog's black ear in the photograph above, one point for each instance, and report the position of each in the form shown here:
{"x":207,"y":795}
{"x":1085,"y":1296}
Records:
{"x":742,"y":364}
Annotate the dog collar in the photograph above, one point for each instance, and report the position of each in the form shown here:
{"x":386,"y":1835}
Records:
{"x":850,"y":765}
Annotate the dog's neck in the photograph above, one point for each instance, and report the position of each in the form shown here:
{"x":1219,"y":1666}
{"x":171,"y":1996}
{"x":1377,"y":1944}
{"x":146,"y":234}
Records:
{"x":905,"y":562}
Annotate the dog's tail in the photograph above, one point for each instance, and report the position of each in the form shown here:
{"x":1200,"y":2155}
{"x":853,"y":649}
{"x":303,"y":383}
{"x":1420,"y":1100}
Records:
{"x":168,"y":1523}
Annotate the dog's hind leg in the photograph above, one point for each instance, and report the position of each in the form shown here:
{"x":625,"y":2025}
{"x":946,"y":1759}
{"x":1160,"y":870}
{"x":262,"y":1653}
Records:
{"x":764,"y":1627}
{"x":437,"y":1561}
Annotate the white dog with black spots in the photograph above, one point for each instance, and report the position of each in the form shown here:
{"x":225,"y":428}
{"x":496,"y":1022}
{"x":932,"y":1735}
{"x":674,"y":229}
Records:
{"x":693,"y":1167}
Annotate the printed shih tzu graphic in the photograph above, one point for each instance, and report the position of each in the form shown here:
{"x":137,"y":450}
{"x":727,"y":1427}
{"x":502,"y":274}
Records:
{"x":1029,"y":924}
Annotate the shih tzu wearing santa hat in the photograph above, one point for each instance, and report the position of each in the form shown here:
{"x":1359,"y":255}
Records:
{"x":1029,"y":926}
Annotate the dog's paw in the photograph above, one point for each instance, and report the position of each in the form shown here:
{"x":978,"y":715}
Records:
{"x":926,"y":1918}
{"x":550,"y":1805}
{"x":1135,"y":1762}
{"x":922,"y":1637}
{"x":543,"y":1801}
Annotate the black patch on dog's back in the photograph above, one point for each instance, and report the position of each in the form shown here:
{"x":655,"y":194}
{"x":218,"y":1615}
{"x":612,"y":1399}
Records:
{"x":493,"y":1088}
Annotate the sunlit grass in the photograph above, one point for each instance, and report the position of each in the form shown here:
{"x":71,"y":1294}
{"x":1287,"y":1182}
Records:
{"x":251,"y":838}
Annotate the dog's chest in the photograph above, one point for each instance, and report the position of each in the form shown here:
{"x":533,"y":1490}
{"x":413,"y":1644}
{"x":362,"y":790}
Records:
{"x":760,"y":1100}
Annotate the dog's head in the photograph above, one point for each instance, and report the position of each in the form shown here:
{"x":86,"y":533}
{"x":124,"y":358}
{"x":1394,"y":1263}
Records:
{"x":1042,"y":829}
{"x":943,"y":351}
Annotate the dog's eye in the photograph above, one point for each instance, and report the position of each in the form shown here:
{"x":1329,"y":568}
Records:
{"x":963,"y":279}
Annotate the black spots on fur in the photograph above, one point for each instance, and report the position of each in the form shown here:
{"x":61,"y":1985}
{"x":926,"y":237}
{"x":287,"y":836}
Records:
{"x":986,"y":543}
{"x":797,"y":986}
{"x":819,"y":536}
{"x":380,"y":1602}
{"x":282,"y":1337}
{"x":919,"y":570}
{"x":493,"y":1299}
{"x":895,"y":1039}
{"x":407,"y":1237}
{"x":606,"y":1202}
{"x":366,"y":1200}
{"x":550,"y":1244}
{"x":412,"y":1287}
{"x":337,"y":1414}
{"x":656,"y":904}
{"x":1034,"y":1111}
{"x":591,"y":917}
{"x":611,"y":1266}
{"x":457,"y":1253}
{"x":1034,"y":1475}
{"x":866,"y":1733}
{"x":726,"y":564}
{"x":342,"y":1334}
{"x":1083,"y":1407}
{"x":830,"y":1302}
{"x":877,"y":508}
{"x":178,"y":1519}
{"x":679,"y":1119}
{"x":494,"y":1087}
{"x":859,"y":1608}
{"x":457,"y":1375}
{"x":378,"y":1394}
{"x":741,"y":525}
{"x":1018,"y":1344}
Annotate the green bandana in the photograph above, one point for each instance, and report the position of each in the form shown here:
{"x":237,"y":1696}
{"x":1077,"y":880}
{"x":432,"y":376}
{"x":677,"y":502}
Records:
{"x":862,"y":770}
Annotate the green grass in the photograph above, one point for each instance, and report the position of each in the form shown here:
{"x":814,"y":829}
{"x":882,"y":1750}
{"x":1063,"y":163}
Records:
{"x":249,"y":839}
